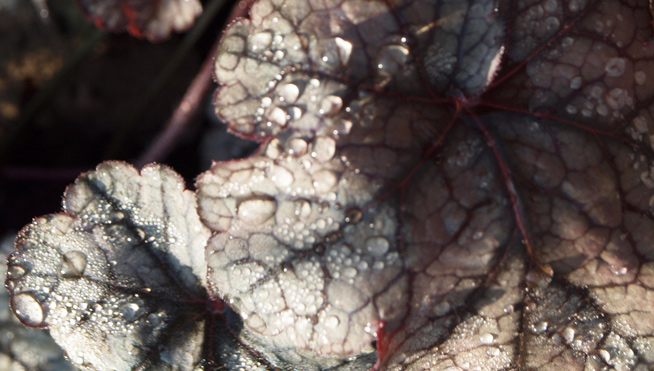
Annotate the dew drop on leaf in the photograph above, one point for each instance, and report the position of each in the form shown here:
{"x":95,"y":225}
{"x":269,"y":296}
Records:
{"x":330,"y":105}
{"x":28,"y":309}
{"x":615,"y":67}
{"x":289,"y":93}
{"x":15,"y":272}
{"x":256,"y":211}
{"x":73,"y":265}
{"x":377,"y":245}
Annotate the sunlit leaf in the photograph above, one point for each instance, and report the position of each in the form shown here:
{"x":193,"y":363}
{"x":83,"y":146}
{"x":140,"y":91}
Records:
{"x":502,"y":151}
{"x":119,"y":278}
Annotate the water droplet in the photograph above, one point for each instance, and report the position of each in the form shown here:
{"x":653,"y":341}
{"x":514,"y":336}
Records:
{"x":332,"y":321}
{"x":617,"y":98}
{"x":73,"y":265}
{"x":391,"y":58}
{"x":615,"y":67}
{"x":324,"y":181}
{"x":442,"y":308}
{"x":15,"y":272}
{"x":575,"y":82}
{"x":129,"y":311}
{"x":324,"y":148}
{"x":567,"y":41}
{"x":551,"y":24}
{"x":297,"y":146}
{"x":350,"y":272}
{"x":377,"y":245}
{"x":569,"y":334}
{"x":640,"y":124}
{"x":640,"y":77}
{"x":278,"y":116}
{"x":493,"y":352}
{"x":281,"y":176}
{"x":266,"y":102}
{"x":378,"y":265}
{"x":571,"y":109}
{"x":540,"y":327}
{"x":257,"y":210}
{"x":330,"y":105}
{"x":478,"y":235}
{"x":353,"y":215}
{"x":294,"y":113}
{"x":344,"y":49}
{"x":260,"y":40}
{"x":289,"y":93}
{"x":550,"y":5}
{"x":28,"y":309}
{"x":621,"y":271}
{"x":486,"y":338}
{"x":605,"y":355}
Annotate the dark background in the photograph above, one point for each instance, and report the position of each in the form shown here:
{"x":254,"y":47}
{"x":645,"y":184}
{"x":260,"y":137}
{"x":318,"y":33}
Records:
{"x":55,"y":125}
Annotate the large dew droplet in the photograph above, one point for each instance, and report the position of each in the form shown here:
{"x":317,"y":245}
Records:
{"x":129,"y":311}
{"x":289,"y":93}
{"x":15,"y":272}
{"x":28,"y":309}
{"x":332,"y":321}
{"x":73,"y":265}
{"x":391,"y":58}
{"x":257,"y":211}
{"x":615,"y":67}
{"x":330,"y":105}
{"x":324,"y":148}
{"x":377,"y":245}
{"x":344,"y":49}
{"x":260,"y":41}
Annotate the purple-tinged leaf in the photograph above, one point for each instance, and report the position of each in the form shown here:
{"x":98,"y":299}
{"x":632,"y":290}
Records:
{"x":507,"y":152}
{"x":153,"y":19}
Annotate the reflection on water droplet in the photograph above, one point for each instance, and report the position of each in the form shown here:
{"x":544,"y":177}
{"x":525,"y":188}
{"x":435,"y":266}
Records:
{"x":129,"y":311}
{"x":324,"y":181}
{"x":289,"y":93}
{"x":377,"y":245}
{"x":332,"y":321}
{"x":324,"y":148}
{"x":486,"y":338}
{"x":493,"y":352}
{"x":569,"y":334}
{"x":575,"y":82}
{"x":330,"y":105}
{"x":281,"y":176}
{"x":344,"y":49}
{"x":441,"y":308}
{"x":478,"y":235}
{"x":540,"y":327}
{"x":297,"y":146}
{"x":260,"y":40}
{"x":28,"y":309}
{"x":350,"y":272}
{"x":256,"y":211}
{"x":615,"y":67}
{"x":73,"y":265}
{"x":391,"y":58}
{"x":15,"y":272}
{"x":277,"y":116}
{"x":353,"y":215}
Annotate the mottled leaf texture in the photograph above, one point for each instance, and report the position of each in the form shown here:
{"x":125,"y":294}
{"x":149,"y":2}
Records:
{"x":119,"y":278}
{"x":460,"y":185}
{"x":153,"y":19}
{"x":22,"y":348}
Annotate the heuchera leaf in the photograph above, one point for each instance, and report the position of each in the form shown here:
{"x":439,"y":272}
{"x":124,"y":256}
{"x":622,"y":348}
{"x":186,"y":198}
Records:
{"x":466,"y":184}
{"x":23,"y":348}
{"x":153,"y":19}
{"x":119,"y":278}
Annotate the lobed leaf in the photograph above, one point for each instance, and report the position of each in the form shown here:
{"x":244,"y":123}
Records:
{"x":119,"y":278}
